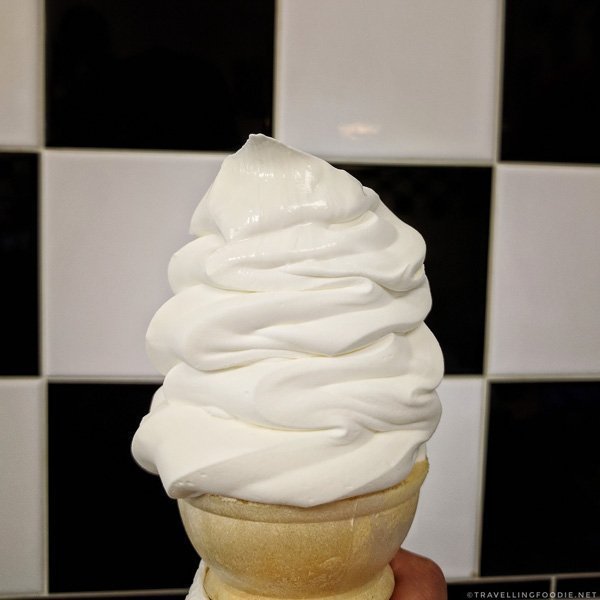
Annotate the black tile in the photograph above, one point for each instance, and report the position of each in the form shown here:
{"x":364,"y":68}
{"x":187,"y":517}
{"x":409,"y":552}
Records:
{"x":497,"y":589}
{"x":551,"y":91}
{"x":579,"y":585}
{"x":19,"y":260}
{"x":450,"y":207}
{"x":542,"y":490}
{"x":112,"y":527}
{"x":184,"y":74}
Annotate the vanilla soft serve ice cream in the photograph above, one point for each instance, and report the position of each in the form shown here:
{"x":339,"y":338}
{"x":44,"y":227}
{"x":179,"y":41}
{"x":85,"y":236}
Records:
{"x":298,"y":369}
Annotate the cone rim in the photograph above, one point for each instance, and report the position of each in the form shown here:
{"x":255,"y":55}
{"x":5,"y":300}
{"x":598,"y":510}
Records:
{"x":355,"y":506}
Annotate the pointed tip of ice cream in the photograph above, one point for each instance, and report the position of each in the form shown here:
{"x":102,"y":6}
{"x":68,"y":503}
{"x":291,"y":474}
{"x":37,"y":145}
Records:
{"x":260,"y":138}
{"x":257,"y":140}
{"x":264,"y":152}
{"x":268,"y":185}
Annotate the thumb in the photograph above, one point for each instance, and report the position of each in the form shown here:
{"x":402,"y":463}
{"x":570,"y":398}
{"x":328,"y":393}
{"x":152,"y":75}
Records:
{"x":417,"y":578}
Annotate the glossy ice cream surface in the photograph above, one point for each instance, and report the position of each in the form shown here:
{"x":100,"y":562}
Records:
{"x":298,"y":369}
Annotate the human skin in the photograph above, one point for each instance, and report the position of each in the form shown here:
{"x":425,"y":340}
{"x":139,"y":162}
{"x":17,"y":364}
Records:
{"x":417,"y":578}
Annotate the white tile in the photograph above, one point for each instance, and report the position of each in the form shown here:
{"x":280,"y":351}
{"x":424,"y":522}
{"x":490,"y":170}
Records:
{"x":19,"y":42}
{"x":111,"y":223}
{"x":388,"y":79}
{"x":445,"y":527}
{"x":545,"y":293}
{"x":22,"y":443}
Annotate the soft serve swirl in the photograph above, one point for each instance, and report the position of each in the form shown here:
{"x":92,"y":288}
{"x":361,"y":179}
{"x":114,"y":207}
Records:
{"x":298,"y":369}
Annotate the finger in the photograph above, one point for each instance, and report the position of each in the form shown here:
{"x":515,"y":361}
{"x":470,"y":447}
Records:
{"x":417,"y":578}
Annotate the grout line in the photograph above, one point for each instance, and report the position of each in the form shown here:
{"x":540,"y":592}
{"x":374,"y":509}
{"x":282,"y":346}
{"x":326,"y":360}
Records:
{"x":347,"y":160}
{"x":543,"y":377}
{"x":277,"y":45}
{"x":518,"y":578}
{"x":404,"y":161}
{"x":490,"y":270}
{"x":171,"y":153}
{"x":153,"y":379}
{"x":45,"y":493}
{"x":585,"y":575}
{"x":498,"y":96}
{"x":408,"y":161}
{"x":41,"y":260}
{"x":111,"y":594}
{"x":499,"y":579}
{"x":6,"y":148}
{"x":157,"y":379}
{"x":549,"y":165}
{"x":468,"y":376}
{"x":483,"y":436}
{"x":208,"y":154}
{"x":42,"y":267}
{"x":41,"y":75}
{"x":485,"y":410}
{"x":500,"y":43}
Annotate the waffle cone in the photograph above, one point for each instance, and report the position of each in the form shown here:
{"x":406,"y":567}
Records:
{"x":335,"y":551}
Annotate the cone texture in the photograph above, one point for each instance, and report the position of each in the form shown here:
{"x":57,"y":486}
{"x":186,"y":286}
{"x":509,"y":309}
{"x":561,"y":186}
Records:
{"x":336,"y":551}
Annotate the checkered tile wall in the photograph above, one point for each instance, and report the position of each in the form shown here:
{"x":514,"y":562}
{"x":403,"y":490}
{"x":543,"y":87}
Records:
{"x":477,"y":121}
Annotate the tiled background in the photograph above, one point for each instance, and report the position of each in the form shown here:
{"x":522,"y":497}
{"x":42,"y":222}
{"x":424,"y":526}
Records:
{"x":476,"y":120}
